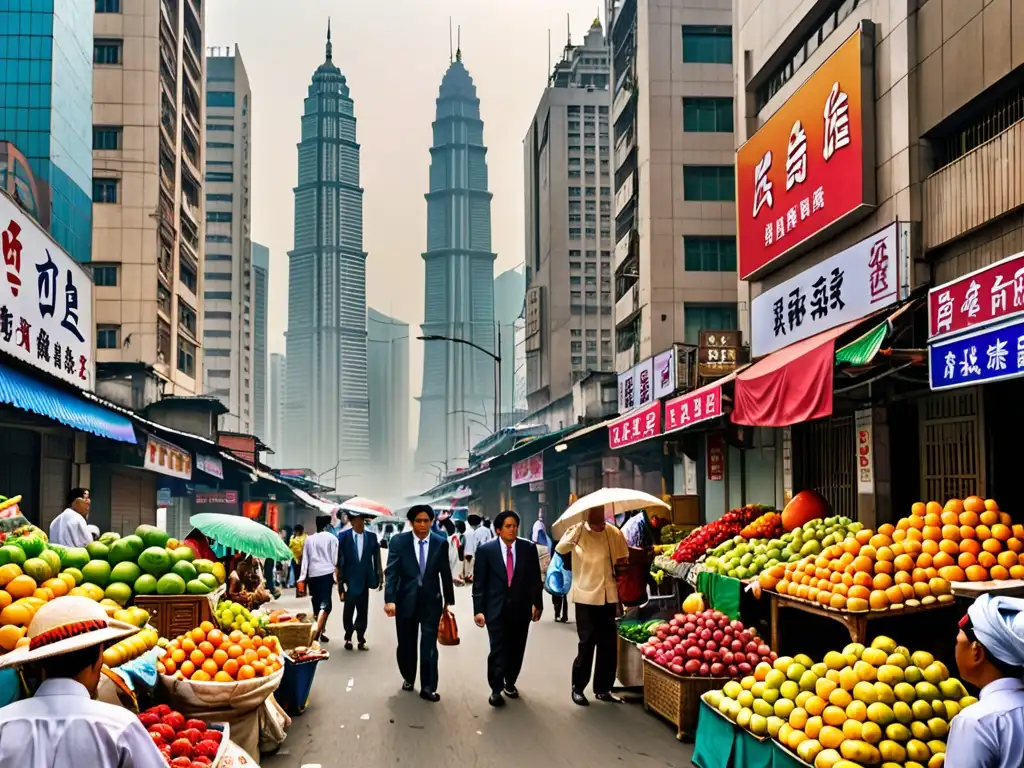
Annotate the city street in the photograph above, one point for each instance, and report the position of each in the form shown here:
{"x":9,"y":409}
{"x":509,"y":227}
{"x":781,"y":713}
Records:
{"x":358,"y":712}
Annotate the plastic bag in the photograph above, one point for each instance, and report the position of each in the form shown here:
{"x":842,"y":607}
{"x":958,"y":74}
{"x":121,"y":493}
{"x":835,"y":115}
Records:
{"x":558,"y":580}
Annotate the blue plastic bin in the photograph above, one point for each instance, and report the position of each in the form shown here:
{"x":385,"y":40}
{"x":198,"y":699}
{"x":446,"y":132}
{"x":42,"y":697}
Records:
{"x":296,"y":683}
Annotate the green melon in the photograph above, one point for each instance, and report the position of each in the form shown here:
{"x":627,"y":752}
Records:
{"x":126,"y":573}
{"x":15,"y":554}
{"x":76,"y":574}
{"x":52,"y":558}
{"x":109,"y":538}
{"x":186,"y":570}
{"x":152,"y":536}
{"x":127,"y":549}
{"x":196,"y":587}
{"x":155,"y":560}
{"x":32,"y":545}
{"x":203,"y":566}
{"x":145,"y":584}
{"x":97,"y":550}
{"x":96,"y":572}
{"x":38,"y":569}
{"x":119,"y":593}
{"x":170,"y":584}
{"x":182,"y":553}
{"x":209,"y":580}
{"x":75,"y":557}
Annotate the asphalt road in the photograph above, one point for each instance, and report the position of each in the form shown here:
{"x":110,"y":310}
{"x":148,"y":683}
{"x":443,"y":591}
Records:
{"x":358,"y":714}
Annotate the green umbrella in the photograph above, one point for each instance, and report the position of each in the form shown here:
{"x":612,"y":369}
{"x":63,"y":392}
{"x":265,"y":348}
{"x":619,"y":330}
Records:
{"x":242,"y":534}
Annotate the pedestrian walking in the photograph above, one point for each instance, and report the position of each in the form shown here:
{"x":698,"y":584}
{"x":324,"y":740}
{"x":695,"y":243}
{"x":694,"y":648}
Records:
{"x":990,"y":655}
{"x":454,"y":548}
{"x":506,"y":598}
{"x":63,"y":724}
{"x":71,"y":528}
{"x":418,"y":588}
{"x":320,"y":569}
{"x":296,"y":545}
{"x":594,"y":551}
{"x":359,"y":571}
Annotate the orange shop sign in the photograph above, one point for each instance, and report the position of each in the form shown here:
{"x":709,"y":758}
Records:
{"x":812,"y":164}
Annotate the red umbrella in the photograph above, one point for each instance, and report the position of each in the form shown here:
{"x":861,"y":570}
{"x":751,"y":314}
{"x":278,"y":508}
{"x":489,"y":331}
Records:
{"x":360,"y":505}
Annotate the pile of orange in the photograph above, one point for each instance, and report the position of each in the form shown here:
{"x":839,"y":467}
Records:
{"x":21,"y":597}
{"x":209,"y":654}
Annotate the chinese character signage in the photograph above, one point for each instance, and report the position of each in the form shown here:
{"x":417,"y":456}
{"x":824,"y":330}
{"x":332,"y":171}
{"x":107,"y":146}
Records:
{"x":664,"y":374}
{"x":167,"y":459}
{"x":981,"y":298}
{"x":986,"y":355}
{"x":865,"y":452}
{"x":211,"y":465}
{"x":643,"y":375}
{"x":45,"y":301}
{"x":627,"y":390}
{"x":716,"y":456}
{"x":812,"y":163}
{"x":528,"y":470}
{"x":533,"y":318}
{"x":693,"y":407}
{"x":216,"y":497}
{"x":850,"y":285}
{"x":635,"y":427}
{"x":718,"y":352}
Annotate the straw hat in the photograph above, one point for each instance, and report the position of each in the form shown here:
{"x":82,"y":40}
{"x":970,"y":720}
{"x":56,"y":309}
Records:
{"x":65,"y":625}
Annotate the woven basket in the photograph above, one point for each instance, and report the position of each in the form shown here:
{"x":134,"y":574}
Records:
{"x":675,"y":698}
{"x":292,"y":634}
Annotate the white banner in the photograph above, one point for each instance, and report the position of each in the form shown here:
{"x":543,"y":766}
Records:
{"x":644,"y":375}
{"x":627,"y":390}
{"x":665,"y":374}
{"x":850,"y":285}
{"x":45,"y":301}
{"x":167,"y":459}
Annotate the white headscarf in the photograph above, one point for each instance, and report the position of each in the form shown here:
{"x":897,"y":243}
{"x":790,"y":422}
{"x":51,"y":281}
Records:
{"x":999,"y":625}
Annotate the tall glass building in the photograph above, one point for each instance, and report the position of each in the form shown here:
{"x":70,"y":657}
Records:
{"x":457,"y":400}
{"x":326,"y":420}
{"x":46,"y":52}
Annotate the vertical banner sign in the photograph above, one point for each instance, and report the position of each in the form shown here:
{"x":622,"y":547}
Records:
{"x":865,"y":452}
{"x":716,"y":455}
{"x":644,"y":378}
{"x":787,"y":465}
{"x":627,"y":391}
{"x":664,"y":374}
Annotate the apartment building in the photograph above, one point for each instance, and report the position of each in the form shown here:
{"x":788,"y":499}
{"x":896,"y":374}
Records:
{"x":674,"y":257}
{"x":228,"y":265}
{"x":147,"y":248}
{"x":568,"y":175}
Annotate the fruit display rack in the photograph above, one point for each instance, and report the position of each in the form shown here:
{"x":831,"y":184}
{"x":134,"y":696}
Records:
{"x":856,"y":623}
{"x":675,"y":697}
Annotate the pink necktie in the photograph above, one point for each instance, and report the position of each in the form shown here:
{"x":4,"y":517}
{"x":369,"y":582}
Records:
{"x":509,"y":564}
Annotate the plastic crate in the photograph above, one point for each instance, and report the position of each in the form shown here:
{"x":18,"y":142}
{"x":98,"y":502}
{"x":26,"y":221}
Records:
{"x":296,"y":684}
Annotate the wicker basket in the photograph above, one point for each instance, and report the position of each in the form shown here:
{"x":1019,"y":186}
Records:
{"x":675,"y":698}
{"x":293,"y":634}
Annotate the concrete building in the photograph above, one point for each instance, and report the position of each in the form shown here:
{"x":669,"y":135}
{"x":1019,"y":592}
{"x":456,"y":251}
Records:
{"x":327,"y":413}
{"x":148,"y":212}
{"x":276,"y":402}
{"x":388,"y":375}
{"x":260,"y":274}
{"x":509,"y":293}
{"x":46,"y":52}
{"x":228,"y":372}
{"x":674,"y":183}
{"x":569,"y":217}
{"x":457,"y":399}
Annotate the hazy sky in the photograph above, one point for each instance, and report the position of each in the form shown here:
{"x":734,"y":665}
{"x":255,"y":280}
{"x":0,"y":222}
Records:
{"x":394,"y":55}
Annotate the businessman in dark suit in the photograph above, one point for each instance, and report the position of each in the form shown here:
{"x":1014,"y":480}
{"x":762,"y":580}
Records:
{"x":359,"y":571}
{"x":418,"y":587}
{"x":507,"y":596}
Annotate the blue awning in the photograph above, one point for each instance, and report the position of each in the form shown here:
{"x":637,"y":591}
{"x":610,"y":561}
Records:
{"x":26,"y":393}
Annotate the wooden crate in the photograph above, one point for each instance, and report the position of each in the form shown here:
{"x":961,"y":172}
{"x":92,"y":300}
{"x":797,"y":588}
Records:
{"x":293,"y":634}
{"x":174,"y":615}
{"x":675,"y":698}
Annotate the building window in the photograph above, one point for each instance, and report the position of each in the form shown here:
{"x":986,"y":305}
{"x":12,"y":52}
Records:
{"x":217,"y":315}
{"x":574,"y":233}
{"x":104,"y":190}
{"x":187,"y":357}
{"x":108,"y":6}
{"x":187,"y":275}
{"x":218,"y":238}
{"x":217,"y":295}
{"x":219,"y":145}
{"x":709,"y":183}
{"x":707,"y":45}
{"x":216,"y":334}
{"x":707,"y":115}
{"x":106,"y":137}
{"x":216,"y":275}
{"x":220,"y":98}
{"x":186,"y":317}
{"x":220,"y":216}
{"x":108,"y":336}
{"x":220,"y":127}
{"x":219,"y":176}
{"x":577,"y":346}
{"x":107,"y":51}
{"x":220,"y":198}
{"x":707,"y":317}
{"x":104,"y":275}
{"x":575,"y":332}
{"x":709,"y":254}
{"x":217,"y":352}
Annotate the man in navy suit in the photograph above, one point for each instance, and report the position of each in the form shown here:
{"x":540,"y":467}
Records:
{"x":507,"y":596}
{"x":359,"y":571}
{"x":418,"y":587}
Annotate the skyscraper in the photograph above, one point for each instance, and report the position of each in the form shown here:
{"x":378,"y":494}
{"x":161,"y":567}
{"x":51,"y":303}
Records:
{"x":275,"y":405}
{"x":326,"y":417}
{"x":227,"y":273}
{"x":260,"y":273}
{"x":46,"y":53}
{"x":457,"y":399}
{"x":509,"y":291}
{"x":388,"y":367}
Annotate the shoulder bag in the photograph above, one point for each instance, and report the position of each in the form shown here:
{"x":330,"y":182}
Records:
{"x":448,"y":629}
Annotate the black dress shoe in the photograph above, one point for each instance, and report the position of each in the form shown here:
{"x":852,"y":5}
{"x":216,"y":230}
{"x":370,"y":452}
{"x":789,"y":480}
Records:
{"x":432,"y":696}
{"x":363,"y":646}
{"x":564,"y":620}
{"x":496,"y":699}
{"x":579,"y":699}
{"x":348,"y":645}
{"x":608,"y":697}
{"x":324,"y":638}
{"x":511,"y":691}
{"x":407,"y":686}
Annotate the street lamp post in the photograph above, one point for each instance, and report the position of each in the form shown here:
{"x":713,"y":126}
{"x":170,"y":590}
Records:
{"x":496,"y":357}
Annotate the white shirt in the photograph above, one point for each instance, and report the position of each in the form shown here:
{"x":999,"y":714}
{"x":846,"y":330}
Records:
{"x":62,"y":725}
{"x":69,"y":529}
{"x":319,"y":555}
{"x":989,"y":734}
{"x":359,"y":544}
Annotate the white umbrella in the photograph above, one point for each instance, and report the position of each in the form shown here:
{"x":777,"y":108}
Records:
{"x":617,"y":499}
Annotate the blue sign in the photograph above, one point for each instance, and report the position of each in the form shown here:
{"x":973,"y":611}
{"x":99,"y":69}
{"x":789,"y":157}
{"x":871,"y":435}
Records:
{"x":975,"y":358}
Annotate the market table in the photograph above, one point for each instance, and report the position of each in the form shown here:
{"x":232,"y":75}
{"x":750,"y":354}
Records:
{"x":974,"y":589}
{"x":723,"y":744}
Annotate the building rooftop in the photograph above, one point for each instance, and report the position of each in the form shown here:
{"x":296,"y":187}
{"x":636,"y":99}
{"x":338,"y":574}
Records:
{"x":457,"y":84}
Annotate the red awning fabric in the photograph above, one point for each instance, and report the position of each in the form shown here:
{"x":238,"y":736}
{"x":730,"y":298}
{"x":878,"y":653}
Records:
{"x":790,"y":386}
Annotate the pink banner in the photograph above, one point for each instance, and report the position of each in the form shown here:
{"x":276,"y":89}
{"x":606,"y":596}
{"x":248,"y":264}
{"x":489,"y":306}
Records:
{"x":635,"y":426}
{"x":700,"y":405}
{"x":990,"y":294}
{"x":528,"y":470}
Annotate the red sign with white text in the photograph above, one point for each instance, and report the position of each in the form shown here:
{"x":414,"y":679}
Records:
{"x":700,"y":405}
{"x":993,"y":293}
{"x":637,"y":426}
{"x":528,"y":470}
{"x":805,"y":168}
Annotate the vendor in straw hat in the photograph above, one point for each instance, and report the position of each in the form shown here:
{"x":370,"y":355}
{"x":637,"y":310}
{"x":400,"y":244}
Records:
{"x":62,"y":725}
{"x":990,"y":655}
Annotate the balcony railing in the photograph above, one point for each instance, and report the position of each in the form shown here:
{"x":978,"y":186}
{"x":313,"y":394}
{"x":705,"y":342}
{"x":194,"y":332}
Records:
{"x":163,"y":300}
{"x":624,"y":147}
{"x":625,"y":194}
{"x":622,"y":100}
{"x":163,"y":341}
{"x":165,"y":268}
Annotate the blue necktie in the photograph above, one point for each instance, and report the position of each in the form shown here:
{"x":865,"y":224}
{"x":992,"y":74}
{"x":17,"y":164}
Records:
{"x":423,"y":559}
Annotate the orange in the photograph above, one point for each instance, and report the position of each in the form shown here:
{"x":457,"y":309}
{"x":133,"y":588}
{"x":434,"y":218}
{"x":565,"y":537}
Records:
{"x":902,"y":577}
{"x":882,"y":581}
{"x":206,"y":626}
{"x":8,"y":573}
{"x":234,"y":651}
{"x":1007,"y":559}
{"x":908,"y":591}
{"x":969,"y":518}
{"x":953,"y":573}
{"x":838,"y":602}
{"x":231,"y":666}
{"x":269,"y":670}
{"x":986,"y":560}
{"x":966,"y":559}
{"x":235,"y":636}
{"x":932,"y":520}
{"x":884,"y":566}
{"x":913,"y":546}
{"x":968,"y":532}
{"x":1014,"y":544}
{"x":250,"y":656}
{"x":916,"y":523}
{"x":904,"y":563}
{"x":5,"y":599}
{"x":914,"y":534}
{"x":992,"y":545}
{"x":21,"y":586}
{"x":899,"y":534}
{"x":886,"y":529}
{"x":68,"y":579}
{"x":198,"y":635}
{"x":18,"y":614}
{"x":197,"y":657}
{"x":941,"y":560}
{"x":924,"y":560}
{"x":970,"y":545}
{"x":177,"y":656}
{"x":259,"y":666}
{"x":200,"y":677}
{"x":187,"y":645}
{"x":169,"y":666}
{"x":1017,"y":572}
{"x":220,"y":655}
{"x":245,"y":672}
{"x":894,"y":594}
{"x":210,"y":667}
{"x":932,"y":572}
{"x":206,"y":647}
{"x":933,"y":508}
{"x":850,"y":545}
{"x":991,"y":504}
{"x":59,"y":587}
{"x":878,"y":601}
{"x":861,"y":592}
{"x":1005,"y":519}
{"x":884,"y":553}
{"x":256,"y":641}
{"x":864,"y":535}
{"x":216,"y":637}
{"x":975,"y":504}
{"x":10,"y":635}
{"x":917,"y":508}
{"x":999,"y":573}
{"x":862,"y":579}
{"x":951,"y":532}
{"x":223,"y":677}
{"x":933,"y":532}
{"x":847,"y":580}
{"x":824,"y":597}
{"x":976,"y":573}
{"x":949,"y":546}
{"x":949,"y":517}
{"x":954,"y":505}
{"x":44,"y":594}
{"x":836,"y":577}
{"x":989,"y":517}
{"x":838,"y":589}
{"x":187,"y":668}
{"x":1001,"y":532}
{"x":878,"y":541}
{"x":930,"y":547}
